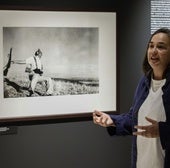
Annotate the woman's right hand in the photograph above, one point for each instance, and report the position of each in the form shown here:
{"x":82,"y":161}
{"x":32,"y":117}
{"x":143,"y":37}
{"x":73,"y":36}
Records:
{"x":102,"y":119}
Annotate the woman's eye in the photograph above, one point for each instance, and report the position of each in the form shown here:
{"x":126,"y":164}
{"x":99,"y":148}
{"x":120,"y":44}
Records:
{"x":161,"y":47}
{"x":151,"y":46}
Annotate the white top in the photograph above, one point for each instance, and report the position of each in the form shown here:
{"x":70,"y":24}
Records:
{"x":35,"y":62}
{"x":149,"y":150}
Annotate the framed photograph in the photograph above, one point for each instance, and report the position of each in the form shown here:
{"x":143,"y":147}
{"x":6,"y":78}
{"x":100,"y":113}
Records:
{"x":57,"y":64}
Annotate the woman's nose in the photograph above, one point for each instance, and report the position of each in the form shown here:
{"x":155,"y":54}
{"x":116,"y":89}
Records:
{"x":154,"y":50}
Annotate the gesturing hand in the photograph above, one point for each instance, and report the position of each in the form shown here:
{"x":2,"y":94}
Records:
{"x":149,"y":131}
{"x":102,"y":119}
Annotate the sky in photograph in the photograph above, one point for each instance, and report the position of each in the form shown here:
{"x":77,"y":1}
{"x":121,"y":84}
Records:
{"x":67,"y":52}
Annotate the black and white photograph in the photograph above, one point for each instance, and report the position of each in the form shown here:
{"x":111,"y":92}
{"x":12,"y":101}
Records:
{"x":41,"y":61}
{"x":64,"y":64}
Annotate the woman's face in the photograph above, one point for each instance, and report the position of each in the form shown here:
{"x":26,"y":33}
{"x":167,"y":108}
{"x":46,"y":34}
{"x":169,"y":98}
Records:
{"x":159,"y":52}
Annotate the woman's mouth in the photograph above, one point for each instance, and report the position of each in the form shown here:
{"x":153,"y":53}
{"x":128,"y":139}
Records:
{"x":154,"y":59}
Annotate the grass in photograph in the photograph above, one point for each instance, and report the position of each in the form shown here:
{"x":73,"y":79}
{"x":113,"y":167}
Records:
{"x":19,"y":87}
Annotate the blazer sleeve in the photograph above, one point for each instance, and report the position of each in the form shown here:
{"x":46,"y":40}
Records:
{"x":164,"y":127}
{"x":123,"y":124}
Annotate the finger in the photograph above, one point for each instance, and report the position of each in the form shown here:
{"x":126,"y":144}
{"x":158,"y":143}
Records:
{"x":142,"y":133}
{"x":141,"y":127}
{"x":103,"y":120}
{"x":106,"y":121}
{"x":95,"y":115}
{"x":98,"y":113}
{"x":96,"y":119}
{"x":151,"y":120}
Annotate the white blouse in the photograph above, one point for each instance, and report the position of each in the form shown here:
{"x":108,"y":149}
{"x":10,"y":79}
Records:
{"x":149,"y":150}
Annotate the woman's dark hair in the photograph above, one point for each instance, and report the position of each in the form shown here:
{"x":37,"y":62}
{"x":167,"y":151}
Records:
{"x":146,"y":67}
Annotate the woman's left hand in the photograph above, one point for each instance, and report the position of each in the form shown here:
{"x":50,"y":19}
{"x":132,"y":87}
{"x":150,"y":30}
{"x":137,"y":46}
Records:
{"x":149,"y":131}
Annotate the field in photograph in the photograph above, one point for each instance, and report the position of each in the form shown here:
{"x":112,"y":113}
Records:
{"x":19,"y":87}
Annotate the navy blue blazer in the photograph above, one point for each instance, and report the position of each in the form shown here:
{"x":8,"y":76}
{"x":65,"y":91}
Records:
{"x":125,"y":122}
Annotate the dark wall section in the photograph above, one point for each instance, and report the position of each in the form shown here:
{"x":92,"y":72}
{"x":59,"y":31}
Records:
{"x":133,"y":35}
{"x":82,"y":144}
{"x":61,"y":5}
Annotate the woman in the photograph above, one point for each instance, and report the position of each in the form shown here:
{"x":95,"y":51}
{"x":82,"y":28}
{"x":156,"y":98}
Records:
{"x":149,"y":117}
